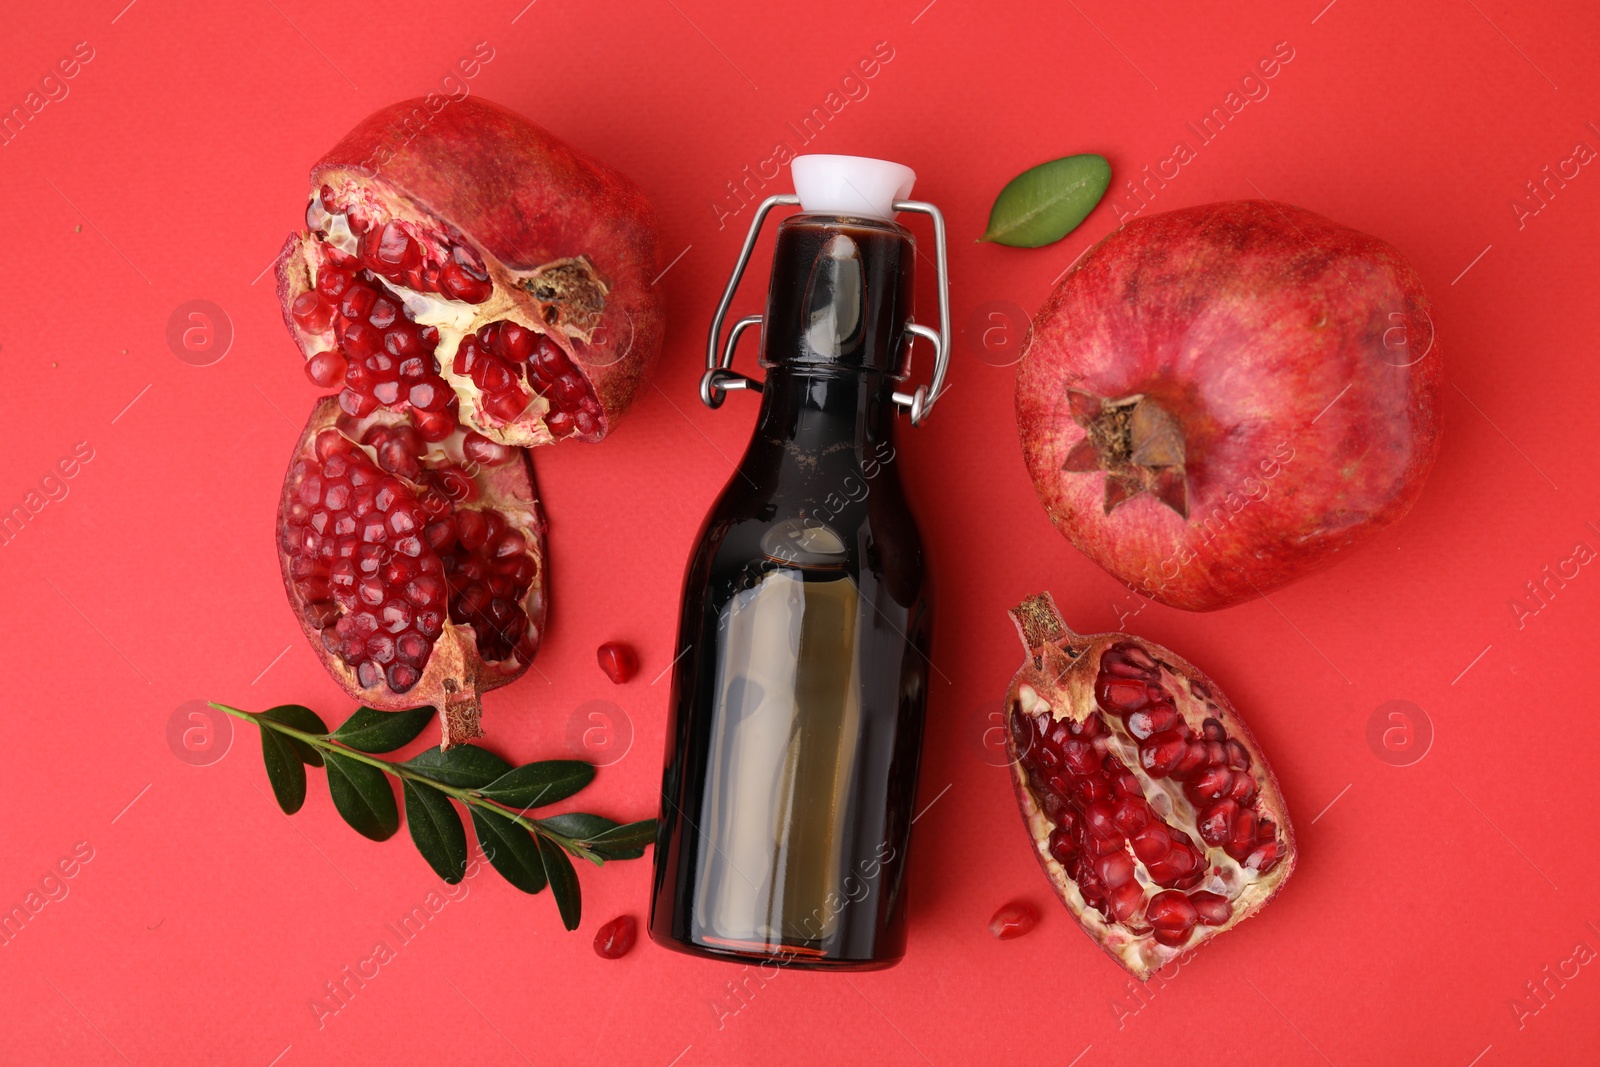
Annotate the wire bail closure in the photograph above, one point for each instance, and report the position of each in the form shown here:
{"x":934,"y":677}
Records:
{"x":720,"y":378}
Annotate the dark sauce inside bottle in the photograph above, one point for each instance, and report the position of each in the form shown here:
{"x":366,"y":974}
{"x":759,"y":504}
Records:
{"x":798,"y":706}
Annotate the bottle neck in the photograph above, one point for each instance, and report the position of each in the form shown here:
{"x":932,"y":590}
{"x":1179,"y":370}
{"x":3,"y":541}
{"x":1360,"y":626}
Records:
{"x":808,"y":411}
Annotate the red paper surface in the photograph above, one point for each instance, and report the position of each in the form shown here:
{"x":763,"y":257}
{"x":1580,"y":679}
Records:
{"x":205,"y":924}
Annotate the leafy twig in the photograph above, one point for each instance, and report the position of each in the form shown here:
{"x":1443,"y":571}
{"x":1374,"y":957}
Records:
{"x":528,"y":852}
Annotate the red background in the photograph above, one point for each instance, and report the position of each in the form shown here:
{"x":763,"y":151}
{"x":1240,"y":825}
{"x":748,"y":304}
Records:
{"x":206,"y":922}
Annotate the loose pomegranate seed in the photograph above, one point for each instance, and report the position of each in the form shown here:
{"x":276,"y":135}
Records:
{"x":1013,"y":920}
{"x":613,"y":940}
{"x":618,"y":661}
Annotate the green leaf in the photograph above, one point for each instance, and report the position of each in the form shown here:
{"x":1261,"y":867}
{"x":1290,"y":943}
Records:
{"x":563,"y":882}
{"x":534,"y":784}
{"x":579,"y":825}
{"x":284,"y":770}
{"x":306,"y":721}
{"x":1044,"y":204}
{"x":625,"y":842}
{"x":436,"y":830}
{"x":510,"y":848}
{"x":371,"y":730}
{"x":362,"y":795}
{"x":465,"y":766}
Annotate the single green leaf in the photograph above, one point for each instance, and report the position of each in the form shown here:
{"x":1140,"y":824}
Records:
{"x":1044,"y":204}
{"x":362,"y":796}
{"x":284,"y":770}
{"x":371,"y":730}
{"x":579,"y":825}
{"x":563,"y":882}
{"x":436,"y":830}
{"x":510,"y":848}
{"x":306,"y":721}
{"x":465,"y":766}
{"x":534,"y":784}
{"x":625,"y":842}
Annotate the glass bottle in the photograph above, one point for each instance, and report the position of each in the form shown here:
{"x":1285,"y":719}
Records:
{"x":797,"y":704}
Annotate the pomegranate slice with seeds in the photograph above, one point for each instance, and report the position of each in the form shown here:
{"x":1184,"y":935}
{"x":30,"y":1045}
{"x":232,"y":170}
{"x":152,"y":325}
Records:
{"x":416,"y":570}
{"x":1151,"y":809}
{"x":468,"y":266}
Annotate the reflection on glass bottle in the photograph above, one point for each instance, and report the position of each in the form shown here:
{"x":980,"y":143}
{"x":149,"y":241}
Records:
{"x":784,"y":737}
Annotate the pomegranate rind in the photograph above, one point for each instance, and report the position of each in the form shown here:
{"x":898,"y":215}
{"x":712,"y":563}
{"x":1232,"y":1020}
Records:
{"x":1059,"y":674}
{"x":1300,"y":359}
{"x":455,"y":677}
{"x":570,"y":243}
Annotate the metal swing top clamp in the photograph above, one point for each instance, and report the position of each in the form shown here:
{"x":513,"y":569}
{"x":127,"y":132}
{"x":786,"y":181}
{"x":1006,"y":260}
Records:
{"x":847,"y":186}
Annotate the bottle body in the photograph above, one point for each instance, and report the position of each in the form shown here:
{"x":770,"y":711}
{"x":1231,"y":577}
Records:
{"x":798,"y":701}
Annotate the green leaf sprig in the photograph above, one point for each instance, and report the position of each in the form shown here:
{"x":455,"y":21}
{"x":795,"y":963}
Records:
{"x":1045,"y":203}
{"x":529,"y":853}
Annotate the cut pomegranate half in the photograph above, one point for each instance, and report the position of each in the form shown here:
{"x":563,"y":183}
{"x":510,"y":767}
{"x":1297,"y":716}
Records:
{"x":1154,"y":814}
{"x":468,"y":266}
{"x":417,"y":572}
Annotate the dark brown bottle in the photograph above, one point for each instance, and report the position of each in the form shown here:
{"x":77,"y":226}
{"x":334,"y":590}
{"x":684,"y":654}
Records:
{"x":798,"y":706}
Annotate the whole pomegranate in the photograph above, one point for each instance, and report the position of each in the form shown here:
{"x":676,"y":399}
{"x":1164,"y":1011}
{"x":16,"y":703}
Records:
{"x":1152,"y":811}
{"x":1221,"y":399}
{"x":467,"y":266}
{"x":416,"y":567}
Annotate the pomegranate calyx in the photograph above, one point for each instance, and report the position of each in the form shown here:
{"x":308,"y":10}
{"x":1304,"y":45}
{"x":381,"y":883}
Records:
{"x":1137,"y":443}
{"x":572,"y":291}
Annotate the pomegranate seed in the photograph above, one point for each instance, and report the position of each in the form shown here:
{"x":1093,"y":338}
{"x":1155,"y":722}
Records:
{"x":401,"y":677}
{"x":1122,"y":694}
{"x":472,"y":530}
{"x":1013,"y":920}
{"x":1160,"y":754}
{"x":1131,"y":815}
{"x":1062,"y":847}
{"x":1115,"y":869}
{"x":1153,"y":720}
{"x":480,"y":449}
{"x":613,"y":940}
{"x":553,"y":362}
{"x":358,"y":302}
{"x":333,"y":283}
{"x":428,"y":396}
{"x":456,"y":283}
{"x":1212,"y":909}
{"x":326,"y":369}
{"x":312,"y":312}
{"x":559,"y":423}
{"x":436,"y":425}
{"x":1216,"y":824}
{"x":1100,"y":818}
{"x":1151,"y":843}
{"x":1212,"y":783}
{"x":1172,"y":916}
{"x":1080,"y":757}
{"x":1238,"y":758}
{"x":585,"y":423}
{"x":1127,"y":901}
{"x":356,"y":405}
{"x":1242,"y":839}
{"x":505,"y":406}
{"x":384,"y":312}
{"x":395,"y":248}
{"x":516,"y":342}
{"x":569,"y":389}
